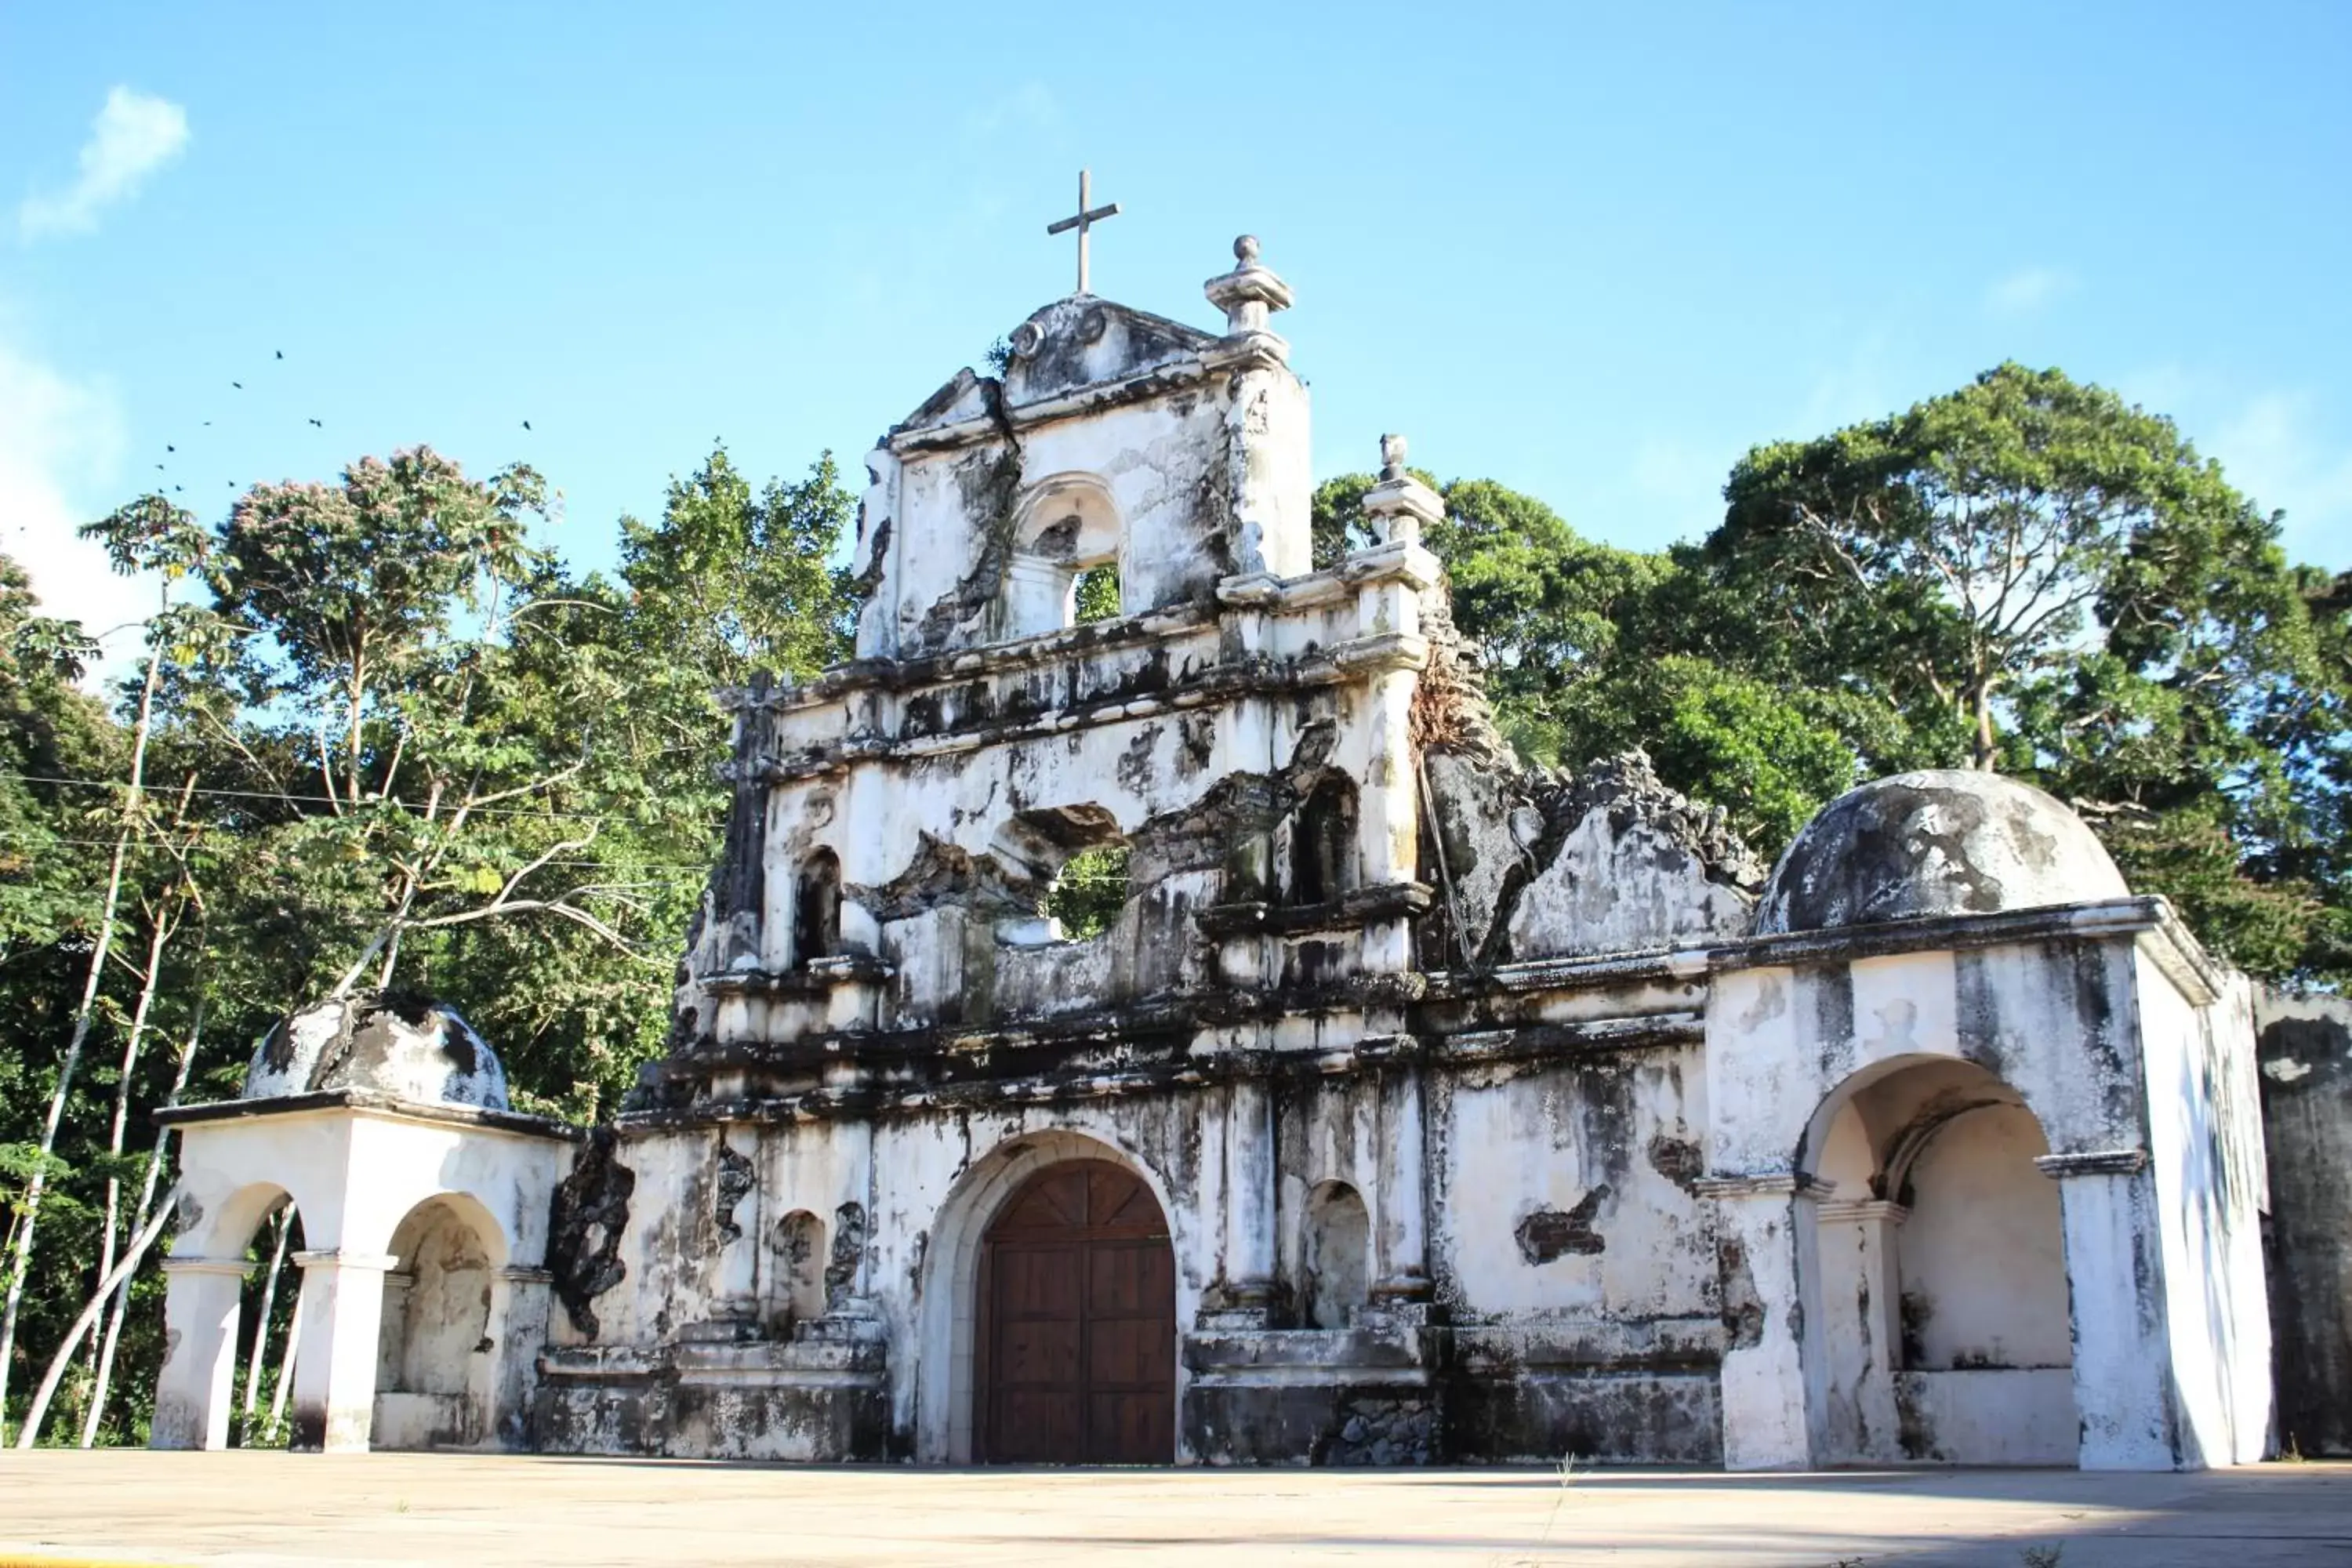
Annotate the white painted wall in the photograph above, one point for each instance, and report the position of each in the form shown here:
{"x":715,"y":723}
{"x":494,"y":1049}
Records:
{"x":1982,"y":1255}
{"x":2204,"y":1137}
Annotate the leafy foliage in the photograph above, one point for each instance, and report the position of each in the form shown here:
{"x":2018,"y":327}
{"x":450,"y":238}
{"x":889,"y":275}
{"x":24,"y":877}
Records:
{"x":400,"y":744}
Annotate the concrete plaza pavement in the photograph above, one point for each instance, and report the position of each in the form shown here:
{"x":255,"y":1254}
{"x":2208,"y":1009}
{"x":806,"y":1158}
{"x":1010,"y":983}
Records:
{"x":257,"y":1509}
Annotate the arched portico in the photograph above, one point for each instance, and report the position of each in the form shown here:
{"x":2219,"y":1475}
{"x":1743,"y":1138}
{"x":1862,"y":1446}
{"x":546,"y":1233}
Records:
{"x":369,"y":1176}
{"x":947,"y":1359}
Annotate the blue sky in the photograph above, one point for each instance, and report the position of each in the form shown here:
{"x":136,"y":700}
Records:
{"x":1592,"y":252}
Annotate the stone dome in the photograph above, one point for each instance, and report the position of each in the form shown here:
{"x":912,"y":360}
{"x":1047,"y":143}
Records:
{"x":1946,"y":842}
{"x":400,"y":1043}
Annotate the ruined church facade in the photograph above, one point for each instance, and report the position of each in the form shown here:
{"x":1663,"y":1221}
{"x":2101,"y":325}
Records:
{"x":1411,"y":1107}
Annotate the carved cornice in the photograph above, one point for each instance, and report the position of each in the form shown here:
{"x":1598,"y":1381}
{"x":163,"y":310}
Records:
{"x":2093,"y":1163}
{"x":1764,"y":1185}
{"x":342,"y":1258}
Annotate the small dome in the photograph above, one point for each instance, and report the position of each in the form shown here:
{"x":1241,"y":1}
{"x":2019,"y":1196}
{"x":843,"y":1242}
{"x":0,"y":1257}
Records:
{"x":400,"y":1043}
{"x":1947,"y":842}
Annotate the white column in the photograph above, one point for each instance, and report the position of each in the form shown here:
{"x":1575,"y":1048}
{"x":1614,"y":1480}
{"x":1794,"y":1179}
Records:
{"x":200,"y":1322}
{"x":1388,"y":823}
{"x":335,"y":1364}
{"x":1762,"y":1223}
{"x":2115,"y":1293}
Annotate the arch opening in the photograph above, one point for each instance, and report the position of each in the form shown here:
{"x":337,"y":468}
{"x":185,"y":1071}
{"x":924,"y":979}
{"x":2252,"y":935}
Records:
{"x":1066,"y":559}
{"x":436,"y":1357}
{"x":946,"y":1388}
{"x":269,"y":1320}
{"x":1938,"y":1316}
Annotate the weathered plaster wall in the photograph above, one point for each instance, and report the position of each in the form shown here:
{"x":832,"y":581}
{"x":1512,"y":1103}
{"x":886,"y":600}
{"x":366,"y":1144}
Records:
{"x":2307,"y":1090}
{"x":2205,"y":1145}
{"x":1982,"y":1255}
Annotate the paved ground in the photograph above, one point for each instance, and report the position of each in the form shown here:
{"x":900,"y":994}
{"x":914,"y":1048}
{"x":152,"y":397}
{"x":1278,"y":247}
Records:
{"x":278,"y":1509}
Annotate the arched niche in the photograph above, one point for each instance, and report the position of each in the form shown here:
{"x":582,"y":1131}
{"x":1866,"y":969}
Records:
{"x":798,"y":1278}
{"x":1319,"y":845}
{"x":1335,"y":1258}
{"x":1064,"y":525}
{"x":816,"y":906}
{"x":436,"y":1372}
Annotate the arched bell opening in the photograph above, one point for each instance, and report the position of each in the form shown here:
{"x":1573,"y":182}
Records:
{"x":1066,"y":563}
{"x":1938,"y":1324}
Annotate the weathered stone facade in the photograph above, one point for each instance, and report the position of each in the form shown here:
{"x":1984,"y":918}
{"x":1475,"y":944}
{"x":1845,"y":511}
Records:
{"x":1489,"y":1114}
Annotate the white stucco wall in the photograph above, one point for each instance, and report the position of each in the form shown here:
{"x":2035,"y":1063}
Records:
{"x":1982,"y":1255}
{"x":2204,"y":1139}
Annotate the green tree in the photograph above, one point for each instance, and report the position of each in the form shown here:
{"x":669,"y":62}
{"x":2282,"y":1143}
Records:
{"x":1990,"y":538}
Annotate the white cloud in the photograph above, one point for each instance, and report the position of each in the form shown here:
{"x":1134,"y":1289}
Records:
{"x":60,"y":447}
{"x":2027,"y":289}
{"x":133,"y":135}
{"x":2271,"y":451}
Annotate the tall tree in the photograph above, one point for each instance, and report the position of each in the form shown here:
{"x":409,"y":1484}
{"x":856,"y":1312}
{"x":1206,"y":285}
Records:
{"x":1990,"y":538}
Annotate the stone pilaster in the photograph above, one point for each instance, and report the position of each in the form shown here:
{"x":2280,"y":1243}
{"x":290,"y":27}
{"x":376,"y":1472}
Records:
{"x":2114,"y":1290}
{"x":1762,"y":1225}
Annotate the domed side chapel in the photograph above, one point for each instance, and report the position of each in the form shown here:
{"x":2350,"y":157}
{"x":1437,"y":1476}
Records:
{"x":1398,"y":1104}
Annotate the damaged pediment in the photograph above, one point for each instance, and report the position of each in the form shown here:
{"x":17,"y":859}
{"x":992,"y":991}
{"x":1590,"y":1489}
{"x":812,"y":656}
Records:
{"x":1083,"y":341}
{"x":1609,"y":860}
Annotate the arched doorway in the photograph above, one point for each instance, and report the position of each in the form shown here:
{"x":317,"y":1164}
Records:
{"x":1076,"y":1341}
{"x":1942,"y":1331}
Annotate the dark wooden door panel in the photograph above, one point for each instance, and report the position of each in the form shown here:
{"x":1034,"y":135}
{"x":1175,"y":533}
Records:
{"x":1078,"y":1323}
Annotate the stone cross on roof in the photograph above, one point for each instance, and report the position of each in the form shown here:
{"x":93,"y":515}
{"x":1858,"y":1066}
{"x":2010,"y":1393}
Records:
{"x":1084,"y":220}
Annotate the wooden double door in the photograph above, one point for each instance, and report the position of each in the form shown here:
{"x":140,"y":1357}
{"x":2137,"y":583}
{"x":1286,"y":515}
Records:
{"x":1077,"y":1332}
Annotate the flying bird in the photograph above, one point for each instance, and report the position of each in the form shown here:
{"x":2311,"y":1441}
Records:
{"x":159,"y":467}
{"x":208,"y":423}
{"x":526,"y":424}
{"x":320,"y":427}
{"x":282,"y":353}
{"x":169,"y":448}
{"x":239,"y":385}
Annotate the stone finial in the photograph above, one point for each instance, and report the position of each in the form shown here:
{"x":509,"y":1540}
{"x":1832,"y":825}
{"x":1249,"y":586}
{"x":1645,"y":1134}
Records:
{"x":1250,"y":293}
{"x":1400,"y":505}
